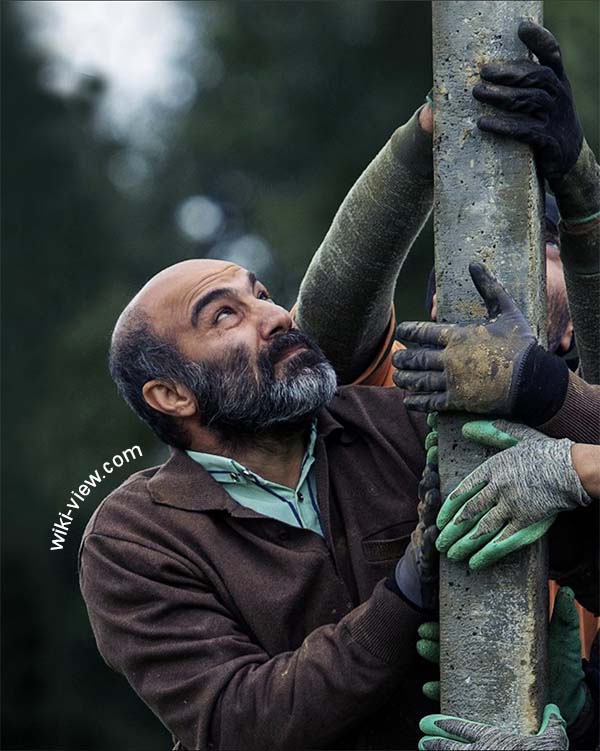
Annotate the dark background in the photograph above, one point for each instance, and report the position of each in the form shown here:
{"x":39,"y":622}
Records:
{"x":303,"y":96}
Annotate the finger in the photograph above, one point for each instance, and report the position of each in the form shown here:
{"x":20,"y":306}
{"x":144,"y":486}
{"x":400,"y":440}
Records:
{"x":420,"y":381}
{"x":429,"y":631}
{"x":479,"y":503}
{"x":514,"y":99}
{"x":518,"y":431}
{"x":431,"y":439}
{"x":432,"y":420}
{"x":453,"y":534}
{"x":487,"y":433}
{"x":464,"y":730}
{"x":527,"y":130}
{"x":564,"y":611}
{"x":429,"y":650}
{"x":463,"y":492}
{"x":432,"y":743}
{"x":420,"y":358}
{"x":453,"y":728}
{"x":423,"y":332}
{"x":431,"y":690}
{"x":552,"y":720}
{"x":475,"y":539}
{"x":543,"y":44}
{"x":437,"y":402}
{"x":507,"y":542}
{"x":496,"y":298}
{"x":521,"y":74}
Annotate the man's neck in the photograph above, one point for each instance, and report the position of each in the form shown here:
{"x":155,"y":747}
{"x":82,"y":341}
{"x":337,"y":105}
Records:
{"x":277,"y":455}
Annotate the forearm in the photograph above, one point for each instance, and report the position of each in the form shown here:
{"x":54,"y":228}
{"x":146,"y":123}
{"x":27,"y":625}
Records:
{"x":579,"y":416}
{"x":346,"y":295}
{"x":586,"y":461}
{"x":312,"y":697}
{"x":578,"y":197}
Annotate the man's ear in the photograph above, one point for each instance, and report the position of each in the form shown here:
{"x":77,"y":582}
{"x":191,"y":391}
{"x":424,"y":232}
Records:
{"x":566,"y":339}
{"x":174,"y":400}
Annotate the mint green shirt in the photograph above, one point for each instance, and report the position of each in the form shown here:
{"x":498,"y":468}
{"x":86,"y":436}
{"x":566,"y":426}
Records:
{"x":297,"y":507}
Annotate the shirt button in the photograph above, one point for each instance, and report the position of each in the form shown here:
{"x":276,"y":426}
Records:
{"x":234,"y":476}
{"x":300,"y":497}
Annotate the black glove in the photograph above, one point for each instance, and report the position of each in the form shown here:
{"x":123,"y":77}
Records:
{"x":416,"y":575}
{"x":540,"y":99}
{"x":494,"y":368}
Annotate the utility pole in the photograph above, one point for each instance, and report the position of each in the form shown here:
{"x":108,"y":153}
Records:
{"x":488,"y":206}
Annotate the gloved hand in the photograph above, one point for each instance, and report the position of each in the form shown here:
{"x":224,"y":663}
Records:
{"x":511,"y":499}
{"x":540,"y":100}
{"x":416,"y":574}
{"x":566,"y":679}
{"x":445,"y":733}
{"x":492,"y":368}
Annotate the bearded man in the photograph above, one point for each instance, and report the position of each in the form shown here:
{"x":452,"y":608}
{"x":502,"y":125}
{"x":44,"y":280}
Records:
{"x":259,"y":590}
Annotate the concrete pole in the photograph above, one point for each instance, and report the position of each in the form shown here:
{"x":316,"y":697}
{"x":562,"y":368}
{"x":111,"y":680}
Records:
{"x":487,"y":206}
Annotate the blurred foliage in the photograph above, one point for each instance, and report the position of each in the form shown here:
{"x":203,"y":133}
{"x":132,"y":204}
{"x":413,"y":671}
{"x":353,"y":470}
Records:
{"x":310,"y":92}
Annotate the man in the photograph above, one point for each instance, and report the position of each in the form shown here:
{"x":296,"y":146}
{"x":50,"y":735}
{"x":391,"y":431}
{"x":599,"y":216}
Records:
{"x":246,"y":587}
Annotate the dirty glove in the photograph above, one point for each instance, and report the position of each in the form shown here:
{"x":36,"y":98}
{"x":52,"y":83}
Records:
{"x":492,"y":368}
{"x":416,"y":575}
{"x":539,"y":99}
{"x":445,"y":733}
{"x":566,"y":678}
{"x":511,"y":499}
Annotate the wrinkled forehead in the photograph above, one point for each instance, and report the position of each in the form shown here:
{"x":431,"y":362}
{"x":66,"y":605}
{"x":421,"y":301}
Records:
{"x":169,"y":296}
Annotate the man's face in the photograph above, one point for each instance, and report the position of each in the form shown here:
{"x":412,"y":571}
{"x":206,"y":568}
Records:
{"x":560,"y":328}
{"x":246,"y":363}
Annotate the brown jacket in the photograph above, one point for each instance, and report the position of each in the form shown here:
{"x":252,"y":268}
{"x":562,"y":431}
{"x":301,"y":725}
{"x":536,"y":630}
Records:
{"x":241,"y":632}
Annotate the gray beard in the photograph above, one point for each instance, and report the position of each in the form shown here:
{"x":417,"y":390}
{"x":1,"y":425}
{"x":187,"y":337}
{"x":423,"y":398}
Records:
{"x":233,"y":401}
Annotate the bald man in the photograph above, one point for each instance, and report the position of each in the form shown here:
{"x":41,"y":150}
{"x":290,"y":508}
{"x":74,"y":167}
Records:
{"x":259,"y":589}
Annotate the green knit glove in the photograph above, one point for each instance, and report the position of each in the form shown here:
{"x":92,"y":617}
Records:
{"x":566,"y":678}
{"x":446,"y":733}
{"x":513,"y":498}
{"x":428,"y":646}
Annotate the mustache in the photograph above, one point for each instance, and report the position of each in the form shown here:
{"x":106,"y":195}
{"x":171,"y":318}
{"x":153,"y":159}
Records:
{"x":284,"y":342}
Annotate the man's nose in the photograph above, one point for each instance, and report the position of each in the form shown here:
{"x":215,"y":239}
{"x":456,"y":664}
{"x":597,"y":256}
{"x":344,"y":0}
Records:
{"x":275,"y":321}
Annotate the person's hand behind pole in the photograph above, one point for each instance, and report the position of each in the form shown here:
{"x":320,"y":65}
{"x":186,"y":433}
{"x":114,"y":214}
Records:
{"x":417,"y":572}
{"x":539,"y":102}
{"x":511,"y":499}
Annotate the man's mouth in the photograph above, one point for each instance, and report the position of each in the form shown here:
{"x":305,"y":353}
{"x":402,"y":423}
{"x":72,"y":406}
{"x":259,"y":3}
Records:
{"x":291,"y":352}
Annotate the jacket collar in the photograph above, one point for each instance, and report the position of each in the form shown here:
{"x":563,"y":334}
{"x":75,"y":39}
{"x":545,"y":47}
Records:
{"x":182,"y":483}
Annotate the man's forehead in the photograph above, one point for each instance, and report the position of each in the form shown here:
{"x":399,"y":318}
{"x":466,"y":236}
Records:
{"x":174,"y":289}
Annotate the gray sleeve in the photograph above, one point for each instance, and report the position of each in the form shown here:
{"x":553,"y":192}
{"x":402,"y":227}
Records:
{"x":346,"y":295}
{"x":578,"y":197}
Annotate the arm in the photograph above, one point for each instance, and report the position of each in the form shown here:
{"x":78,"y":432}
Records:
{"x":194,"y":663}
{"x":578,"y":198}
{"x":543,"y":115}
{"x":347,"y":293}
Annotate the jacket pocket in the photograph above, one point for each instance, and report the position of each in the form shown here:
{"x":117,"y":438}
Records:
{"x":388,"y":544}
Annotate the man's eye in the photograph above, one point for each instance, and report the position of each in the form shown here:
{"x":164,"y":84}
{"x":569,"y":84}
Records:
{"x":222,"y":314}
{"x":264,"y":295}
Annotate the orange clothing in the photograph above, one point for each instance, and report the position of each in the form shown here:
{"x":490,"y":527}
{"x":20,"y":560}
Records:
{"x":379,"y":373}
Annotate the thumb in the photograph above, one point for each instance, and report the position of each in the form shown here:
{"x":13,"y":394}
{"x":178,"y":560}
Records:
{"x":496,"y":298}
{"x":564,"y":614}
{"x":498,"y":434}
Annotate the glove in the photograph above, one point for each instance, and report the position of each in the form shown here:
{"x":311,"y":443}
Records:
{"x":416,"y":574}
{"x":566,"y":679}
{"x":445,"y":733}
{"x":539,"y":100}
{"x":492,"y":368}
{"x":511,"y":499}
